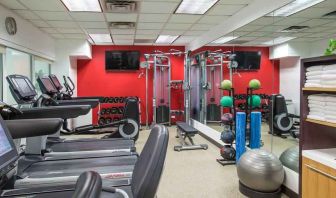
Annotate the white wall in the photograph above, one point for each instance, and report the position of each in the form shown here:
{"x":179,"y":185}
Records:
{"x":318,"y":48}
{"x":28,"y":38}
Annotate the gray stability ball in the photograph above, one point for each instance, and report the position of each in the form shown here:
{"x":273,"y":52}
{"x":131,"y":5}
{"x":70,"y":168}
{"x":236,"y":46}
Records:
{"x":260,"y":170}
{"x":290,"y":158}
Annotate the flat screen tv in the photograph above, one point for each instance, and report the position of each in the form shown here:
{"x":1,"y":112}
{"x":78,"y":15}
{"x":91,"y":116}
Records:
{"x":122,"y":60}
{"x":248,"y":60}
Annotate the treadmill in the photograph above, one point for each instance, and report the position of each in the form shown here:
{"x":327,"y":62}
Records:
{"x":35,"y":171}
{"x":144,"y":183}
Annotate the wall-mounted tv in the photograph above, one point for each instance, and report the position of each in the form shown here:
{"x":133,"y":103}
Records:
{"x":122,"y":60}
{"x":248,"y":60}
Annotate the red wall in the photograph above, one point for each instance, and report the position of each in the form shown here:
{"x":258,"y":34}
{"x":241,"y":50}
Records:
{"x":94,"y":80}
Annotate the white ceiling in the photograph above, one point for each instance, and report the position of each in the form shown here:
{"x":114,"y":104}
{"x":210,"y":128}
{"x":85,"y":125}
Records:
{"x":156,"y":17}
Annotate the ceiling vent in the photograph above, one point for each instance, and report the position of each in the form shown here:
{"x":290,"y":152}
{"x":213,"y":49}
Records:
{"x":295,"y":28}
{"x":121,"y":6}
{"x":122,"y":25}
{"x":330,"y":15}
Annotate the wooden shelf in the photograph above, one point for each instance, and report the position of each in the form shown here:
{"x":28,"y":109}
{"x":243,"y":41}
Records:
{"x":320,"y":89}
{"x":329,"y":124}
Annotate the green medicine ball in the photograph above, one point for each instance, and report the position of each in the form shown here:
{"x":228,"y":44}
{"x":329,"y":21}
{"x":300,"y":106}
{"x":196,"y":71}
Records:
{"x":254,"y":84}
{"x":226,"y":85}
{"x":256,"y":101}
{"x":226,"y":101}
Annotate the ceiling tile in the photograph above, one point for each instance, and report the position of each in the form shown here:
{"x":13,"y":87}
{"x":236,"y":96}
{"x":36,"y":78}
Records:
{"x":97,"y":31}
{"x":118,"y":17}
{"x":148,"y":31}
{"x":158,"y":7}
{"x":172,"y":32}
{"x":317,"y":29}
{"x":50,"y":30}
{"x":184,"y":18}
{"x":147,"y":44}
{"x":291,"y":21}
{"x":317,"y":22}
{"x":202,"y":27}
{"x":234,"y":1}
{"x":248,"y":28}
{"x":146,"y":36}
{"x":153,"y":18}
{"x":57,"y":35}
{"x":123,"y":31}
{"x":70,"y":30}
{"x":314,"y":12}
{"x":150,"y":26}
{"x":88,"y":24}
{"x":26,"y":14}
{"x":62,"y":24}
{"x":39,"y":23}
{"x":184,"y":39}
{"x":327,"y":4}
{"x":256,"y":34}
{"x":177,"y":26}
{"x":213,"y":19}
{"x":56,"y":16}
{"x":246,"y":38}
{"x":122,"y":37}
{"x":300,"y":34}
{"x":194,"y":33}
{"x":222,"y":9}
{"x":87,"y":16}
{"x":236,"y":33}
{"x":272,"y":28}
{"x":265,"y":21}
{"x":12,"y":4}
{"x":47,"y":5}
{"x":75,"y":36}
{"x":123,"y":42}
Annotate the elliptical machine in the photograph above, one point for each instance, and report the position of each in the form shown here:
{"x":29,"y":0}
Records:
{"x":283,"y":122}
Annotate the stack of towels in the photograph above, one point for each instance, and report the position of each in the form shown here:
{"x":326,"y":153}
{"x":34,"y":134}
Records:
{"x":321,"y":76}
{"x":322,"y":107}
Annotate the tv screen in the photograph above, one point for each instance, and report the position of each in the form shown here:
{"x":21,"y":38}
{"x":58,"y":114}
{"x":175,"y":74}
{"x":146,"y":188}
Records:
{"x":248,"y":60}
{"x":122,"y":60}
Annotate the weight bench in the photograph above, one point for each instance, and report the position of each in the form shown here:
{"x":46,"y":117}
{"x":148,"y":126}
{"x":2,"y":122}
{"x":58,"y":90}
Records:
{"x":186,"y":131}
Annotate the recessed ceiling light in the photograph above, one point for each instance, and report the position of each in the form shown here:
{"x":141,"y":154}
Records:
{"x":166,"y":39}
{"x":279,"y":40}
{"x":195,"y":7}
{"x":101,"y":38}
{"x":224,"y":39}
{"x":294,"y":7}
{"x":82,"y":5}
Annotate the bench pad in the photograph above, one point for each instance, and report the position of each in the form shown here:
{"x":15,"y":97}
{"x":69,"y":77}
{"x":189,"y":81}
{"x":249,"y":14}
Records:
{"x":186,"y":128}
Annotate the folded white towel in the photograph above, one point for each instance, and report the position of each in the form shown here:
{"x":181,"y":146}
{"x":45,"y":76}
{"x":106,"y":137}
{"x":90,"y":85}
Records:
{"x":328,"y":86}
{"x":330,"y":99}
{"x":312,"y":85}
{"x":315,"y":68}
{"x":330,"y":113}
{"x":328,"y":77}
{"x":329,"y":67}
{"x":313,"y":81}
{"x":316,"y":77}
{"x":316,"y":102}
{"x":314,"y":73}
{"x":329,"y":72}
{"x":316,"y":117}
{"x":317,"y":97}
{"x":330,"y":104}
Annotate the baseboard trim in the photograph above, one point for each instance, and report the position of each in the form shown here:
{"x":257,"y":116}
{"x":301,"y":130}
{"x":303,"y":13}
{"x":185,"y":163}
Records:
{"x":289,"y":192}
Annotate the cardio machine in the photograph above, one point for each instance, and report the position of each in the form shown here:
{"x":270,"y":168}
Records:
{"x":144,"y":181}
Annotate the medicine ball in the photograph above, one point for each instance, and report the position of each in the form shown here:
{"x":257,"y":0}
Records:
{"x":226,"y":101}
{"x":226,"y":85}
{"x":228,"y":152}
{"x":227,"y":137}
{"x":254,"y":84}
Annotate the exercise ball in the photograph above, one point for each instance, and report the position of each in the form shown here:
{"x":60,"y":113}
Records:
{"x":227,"y":136}
{"x":226,"y":101}
{"x":254,"y":84}
{"x":260,"y":170}
{"x":256,"y":101}
{"x":290,"y":158}
{"x":226,"y":85}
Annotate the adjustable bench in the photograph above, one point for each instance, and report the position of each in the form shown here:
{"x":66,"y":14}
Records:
{"x":186,"y":131}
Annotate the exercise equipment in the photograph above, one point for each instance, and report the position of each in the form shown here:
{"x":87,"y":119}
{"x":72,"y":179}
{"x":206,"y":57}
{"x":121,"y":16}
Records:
{"x":183,"y":132}
{"x":226,"y":101}
{"x":240,"y":134}
{"x":290,"y":158}
{"x":255,"y":130}
{"x":227,"y":136}
{"x":282,"y":121}
{"x":226,"y":85}
{"x":254,"y":84}
{"x":260,"y":173}
{"x":227,"y":119}
{"x":254,"y":101}
{"x":228,"y":153}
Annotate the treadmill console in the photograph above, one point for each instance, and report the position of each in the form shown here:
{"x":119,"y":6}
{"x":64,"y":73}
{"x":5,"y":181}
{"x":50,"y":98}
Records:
{"x":8,"y":152}
{"x":46,"y":85}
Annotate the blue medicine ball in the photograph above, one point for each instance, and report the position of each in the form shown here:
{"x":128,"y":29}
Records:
{"x":227,"y":137}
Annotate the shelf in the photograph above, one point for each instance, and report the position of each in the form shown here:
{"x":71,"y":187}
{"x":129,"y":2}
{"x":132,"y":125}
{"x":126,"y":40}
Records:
{"x":330,"y":124}
{"x":321,"y":89}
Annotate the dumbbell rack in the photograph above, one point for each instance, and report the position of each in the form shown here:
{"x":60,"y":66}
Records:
{"x":232,"y":109}
{"x":177,"y":85}
{"x":104,"y":113}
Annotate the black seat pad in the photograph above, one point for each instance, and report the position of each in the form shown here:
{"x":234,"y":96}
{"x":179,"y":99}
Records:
{"x":186,"y":128}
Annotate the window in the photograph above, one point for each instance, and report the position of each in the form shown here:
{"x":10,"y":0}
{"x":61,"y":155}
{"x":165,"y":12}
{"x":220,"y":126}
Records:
{"x":16,"y":63}
{"x":41,"y":67}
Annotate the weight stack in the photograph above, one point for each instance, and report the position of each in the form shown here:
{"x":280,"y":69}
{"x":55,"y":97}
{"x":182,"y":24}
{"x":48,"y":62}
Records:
{"x":213,"y":112}
{"x":162,"y":114}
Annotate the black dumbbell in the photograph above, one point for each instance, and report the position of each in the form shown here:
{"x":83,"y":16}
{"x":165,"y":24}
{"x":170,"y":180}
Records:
{"x":122,"y":99}
{"x":114,"y":110}
{"x":108,"y":120}
{"x":108,"y":111}
{"x":106,"y":100}
{"x":120,"y":110}
{"x":101,"y":121}
{"x":103,"y":111}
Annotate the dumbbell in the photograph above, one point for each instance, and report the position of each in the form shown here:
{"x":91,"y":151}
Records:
{"x":108,"y":120}
{"x":106,"y":100}
{"x":114,"y":110}
{"x":108,"y":111}
{"x":122,"y":99}
{"x":103,"y":111}
{"x":101,"y":121}
{"x":115,"y":119}
{"x":121,"y":110}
